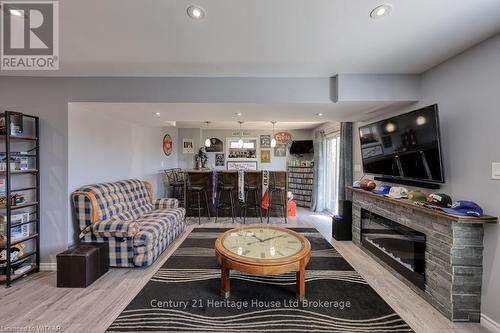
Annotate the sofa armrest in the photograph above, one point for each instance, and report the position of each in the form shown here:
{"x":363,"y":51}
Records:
{"x":166,"y":203}
{"x":115,"y":228}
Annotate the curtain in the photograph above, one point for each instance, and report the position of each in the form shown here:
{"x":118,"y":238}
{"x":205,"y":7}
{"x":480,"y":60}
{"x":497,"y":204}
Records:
{"x":319,"y":186}
{"x":345,"y":163}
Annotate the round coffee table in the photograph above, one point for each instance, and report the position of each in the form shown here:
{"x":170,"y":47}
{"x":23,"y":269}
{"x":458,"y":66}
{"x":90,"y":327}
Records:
{"x":262,"y":250}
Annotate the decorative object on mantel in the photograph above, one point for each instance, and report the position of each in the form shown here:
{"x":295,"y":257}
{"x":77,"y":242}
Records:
{"x":167,"y":145}
{"x":219,"y":160}
{"x":283,"y":137}
{"x":216,"y":146}
{"x":201,"y":159}
{"x":265,"y":141}
{"x":187,"y":146}
{"x":265,"y":156}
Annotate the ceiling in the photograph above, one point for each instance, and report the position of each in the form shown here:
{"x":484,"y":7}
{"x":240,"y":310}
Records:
{"x":223,"y":115}
{"x":278,"y":38}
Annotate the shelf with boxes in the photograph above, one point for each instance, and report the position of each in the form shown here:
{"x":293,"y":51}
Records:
{"x":301,"y":181}
{"x":19,"y":196}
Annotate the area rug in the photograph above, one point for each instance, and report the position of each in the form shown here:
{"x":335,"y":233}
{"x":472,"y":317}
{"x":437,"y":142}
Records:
{"x":183,"y":296}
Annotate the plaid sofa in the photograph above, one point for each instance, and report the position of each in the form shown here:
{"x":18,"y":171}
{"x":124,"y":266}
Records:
{"x":125,"y":214}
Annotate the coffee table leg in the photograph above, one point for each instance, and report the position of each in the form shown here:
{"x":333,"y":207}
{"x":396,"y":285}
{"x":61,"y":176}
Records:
{"x":224,"y":280}
{"x":301,"y":284}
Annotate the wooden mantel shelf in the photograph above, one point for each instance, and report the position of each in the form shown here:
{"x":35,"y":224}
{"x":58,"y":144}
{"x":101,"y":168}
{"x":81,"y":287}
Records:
{"x":409,"y":204}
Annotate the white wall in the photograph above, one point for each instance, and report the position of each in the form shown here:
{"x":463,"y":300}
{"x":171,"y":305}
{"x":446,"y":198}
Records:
{"x":104,"y":149}
{"x":199,"y":136}
{"x":467,"y":90}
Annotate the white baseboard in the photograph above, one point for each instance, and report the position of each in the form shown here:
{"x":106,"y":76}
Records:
{"x":48,"y":266}
{"x":490,"y":324}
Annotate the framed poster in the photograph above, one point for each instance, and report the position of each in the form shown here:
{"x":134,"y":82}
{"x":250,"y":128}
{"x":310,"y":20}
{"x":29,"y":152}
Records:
{"x":283,"y":137}
{"x":265,"y":141}
{"x":265,"y":156}
{"x":187,"y":146}
{"x":216,"y":146}
{"x":167,"y":144}
{"x":242,"y":165}
{"x":219,"y":160}
{"x":247,"y":152}
{"x":280,"y":150}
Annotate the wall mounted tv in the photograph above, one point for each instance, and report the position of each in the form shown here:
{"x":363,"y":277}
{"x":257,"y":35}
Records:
{"x":302,"y":147}
{"x":404,"y":148}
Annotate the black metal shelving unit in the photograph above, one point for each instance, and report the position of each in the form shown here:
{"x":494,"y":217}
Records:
{"x":30,"y":143}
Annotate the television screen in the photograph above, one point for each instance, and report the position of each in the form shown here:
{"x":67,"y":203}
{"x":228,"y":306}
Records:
{"x":302,"y":147}
{"x":406,"y":146}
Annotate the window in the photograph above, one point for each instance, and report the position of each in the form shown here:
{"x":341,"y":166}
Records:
{"x":332,"y":173}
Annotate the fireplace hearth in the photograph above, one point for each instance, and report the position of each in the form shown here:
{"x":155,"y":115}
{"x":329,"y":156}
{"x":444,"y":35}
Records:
{"x":400,"y":247}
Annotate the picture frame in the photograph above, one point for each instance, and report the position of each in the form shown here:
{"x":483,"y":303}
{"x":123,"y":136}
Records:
{"x":216,"y":146}
{"x":242,"y":165}
{"x":187,"y":146}
{"x":265,"y":156}
{"x":280,"y":150}
{"x":219,"y":160}
{"x":265,"y":141}
{"x":249,"y":151}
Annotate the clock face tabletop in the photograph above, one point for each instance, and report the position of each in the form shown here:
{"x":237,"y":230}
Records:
{"x":262,"y":243}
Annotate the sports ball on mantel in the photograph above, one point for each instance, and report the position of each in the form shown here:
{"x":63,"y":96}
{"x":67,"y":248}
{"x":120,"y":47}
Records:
{"x":368,"y":185}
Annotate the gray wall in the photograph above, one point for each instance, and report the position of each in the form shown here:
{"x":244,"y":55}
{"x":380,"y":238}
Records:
{"x":467,"y":89}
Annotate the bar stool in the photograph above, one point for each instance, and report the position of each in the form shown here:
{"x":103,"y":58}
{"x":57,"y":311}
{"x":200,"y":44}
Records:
{"x":255,"y":205}
{"x":224,"y":187}
{"x":274,"y":190}
{"x":180,"y":182}
{"x":176,"y":182}
{"x":196,"y":190}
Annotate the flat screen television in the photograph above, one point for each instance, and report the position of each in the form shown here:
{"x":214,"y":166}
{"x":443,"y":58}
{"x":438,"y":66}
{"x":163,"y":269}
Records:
{"x":302,"y":147}
{"x":405,"y":147}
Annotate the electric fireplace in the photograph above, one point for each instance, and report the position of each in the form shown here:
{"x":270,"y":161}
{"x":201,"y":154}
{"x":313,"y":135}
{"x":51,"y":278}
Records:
{"x":400,"y":247}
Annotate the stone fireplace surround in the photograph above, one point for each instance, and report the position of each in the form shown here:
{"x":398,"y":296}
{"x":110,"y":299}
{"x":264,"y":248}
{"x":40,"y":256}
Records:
{"x":453,"y":255}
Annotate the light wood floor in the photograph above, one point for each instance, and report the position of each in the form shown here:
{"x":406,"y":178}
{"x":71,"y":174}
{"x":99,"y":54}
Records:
{"x":36,"y":302}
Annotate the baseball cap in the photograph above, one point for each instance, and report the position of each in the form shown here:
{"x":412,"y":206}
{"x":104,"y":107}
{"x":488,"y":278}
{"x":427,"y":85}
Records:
{"x":440,"y":199}
{"x":382,"y":189}
{"x":464,"y":208}
{"x":417,"y":196}
{"x":397,"y":192}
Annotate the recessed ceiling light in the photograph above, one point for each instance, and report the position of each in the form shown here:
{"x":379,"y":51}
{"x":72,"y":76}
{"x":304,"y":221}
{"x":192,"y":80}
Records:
{"x":157,"y":113}
{"x":380,"y":11}
{"x":196,"y":12}
{"x":319,"y":114}
{"x":239,"y":114}
{"x":16,"y":12}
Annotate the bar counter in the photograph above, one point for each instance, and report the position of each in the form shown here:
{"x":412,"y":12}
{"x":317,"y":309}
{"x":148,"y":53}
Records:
{"x":253,"y":178}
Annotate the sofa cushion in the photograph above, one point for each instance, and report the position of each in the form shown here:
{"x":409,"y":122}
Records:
{"x":156,"y":225}
{"x":127,"y":196}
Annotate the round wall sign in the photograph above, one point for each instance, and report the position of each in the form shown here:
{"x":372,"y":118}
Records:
{"x":167,"y":144}
{"x":283,"y":137}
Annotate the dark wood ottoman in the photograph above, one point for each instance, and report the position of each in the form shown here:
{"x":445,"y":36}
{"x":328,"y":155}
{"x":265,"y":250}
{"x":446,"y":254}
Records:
{"x":80,"y":266}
